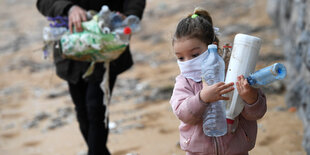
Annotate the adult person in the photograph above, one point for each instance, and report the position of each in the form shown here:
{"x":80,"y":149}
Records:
{"x":86,"y":93}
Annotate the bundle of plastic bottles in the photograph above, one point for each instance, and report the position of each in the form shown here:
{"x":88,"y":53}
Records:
{"x":105,"y":36}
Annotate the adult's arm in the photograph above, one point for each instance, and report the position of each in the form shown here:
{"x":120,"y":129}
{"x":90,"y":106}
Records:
{"x":134,"y":7}
{"x":54,"y":7}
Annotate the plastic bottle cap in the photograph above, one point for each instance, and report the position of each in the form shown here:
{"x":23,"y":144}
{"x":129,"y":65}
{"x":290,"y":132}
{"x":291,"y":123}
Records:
{"x":104,"y":8}
{"x":127,"y":30}
{"x":226,"y":46}
{"x":251,"y":80}
{"x":212,"y":46}
{"x":229,"y":121}
{"x":279,"y":70}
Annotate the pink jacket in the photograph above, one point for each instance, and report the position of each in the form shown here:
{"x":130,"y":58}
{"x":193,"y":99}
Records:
{"x":189,"y":109}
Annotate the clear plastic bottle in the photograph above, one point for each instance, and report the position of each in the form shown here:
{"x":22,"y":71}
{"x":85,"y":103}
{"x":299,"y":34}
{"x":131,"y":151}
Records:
{"x":116,"y":20}
{"x":213,"y":71}
{"x":112,"y":20}
{"x":53,"y":33}
{"x":123,"y":34}
{"x":267,"y":75}
{"x":133,"y":22}
{"x":104,"y":14}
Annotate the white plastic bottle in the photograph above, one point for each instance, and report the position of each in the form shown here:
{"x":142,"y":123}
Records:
{"x":213,"y":71}
{"x":104,"y":15}
{"x":242,"y":62}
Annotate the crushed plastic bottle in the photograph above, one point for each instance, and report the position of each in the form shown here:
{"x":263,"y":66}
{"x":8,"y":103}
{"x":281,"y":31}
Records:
{"x":213,"y":71}
{"x":106,"y":31}
{"x":104,"y":15}
{"x":123,"y":34}
{"x":225,"y":54}
{"x":267,"y":75}
{"x":133,"y":22}
{"x":52,"y":33}
{"x":104,"y":37}
{"x":115,"y":21}
{"x":57,"y":27}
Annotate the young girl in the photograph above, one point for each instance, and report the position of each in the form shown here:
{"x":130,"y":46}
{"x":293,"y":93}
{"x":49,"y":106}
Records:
{"x":191,"y":96}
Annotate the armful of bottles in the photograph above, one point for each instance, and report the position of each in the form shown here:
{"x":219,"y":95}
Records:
{"x":261,"y":77}
{"x":105,"y":36}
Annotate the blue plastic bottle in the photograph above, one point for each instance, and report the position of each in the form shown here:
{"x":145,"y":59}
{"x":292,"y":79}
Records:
{"x":267,"y":75}
{"x":213,"y":71}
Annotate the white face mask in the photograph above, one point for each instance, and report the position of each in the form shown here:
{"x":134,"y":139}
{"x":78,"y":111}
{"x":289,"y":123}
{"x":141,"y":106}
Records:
{"x":192,"y":68}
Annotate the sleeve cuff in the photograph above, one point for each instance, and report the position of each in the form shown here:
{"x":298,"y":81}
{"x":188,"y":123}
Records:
{"x":64,"y":7}
{"x":68,"y":8}
{"x":259,"y":95}
{"x":256,"y":104}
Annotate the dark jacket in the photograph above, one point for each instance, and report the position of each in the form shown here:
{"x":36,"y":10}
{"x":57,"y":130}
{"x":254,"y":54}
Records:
{"x":71,"y":70}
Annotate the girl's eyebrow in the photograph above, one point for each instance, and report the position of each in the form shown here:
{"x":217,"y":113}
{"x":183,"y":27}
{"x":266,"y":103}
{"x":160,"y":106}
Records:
{"x":195,"y":48}
{"x":190,"y":50}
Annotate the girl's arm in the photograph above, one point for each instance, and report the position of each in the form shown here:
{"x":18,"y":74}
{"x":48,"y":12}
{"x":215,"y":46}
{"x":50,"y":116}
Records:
{"x":256,"y":110}
{"x":186,"y":105}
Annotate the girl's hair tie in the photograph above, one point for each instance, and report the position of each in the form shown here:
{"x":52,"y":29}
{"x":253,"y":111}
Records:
{"x":194,"y":15}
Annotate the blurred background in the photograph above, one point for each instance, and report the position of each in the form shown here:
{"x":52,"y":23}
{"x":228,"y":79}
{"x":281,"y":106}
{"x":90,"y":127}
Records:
{"x":37,"y":115}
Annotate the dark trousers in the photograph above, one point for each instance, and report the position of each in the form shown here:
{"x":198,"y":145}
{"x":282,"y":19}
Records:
{"x":88,"y":100}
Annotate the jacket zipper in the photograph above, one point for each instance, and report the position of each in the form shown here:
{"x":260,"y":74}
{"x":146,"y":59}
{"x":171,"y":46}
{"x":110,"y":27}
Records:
{"x":246,"y":135}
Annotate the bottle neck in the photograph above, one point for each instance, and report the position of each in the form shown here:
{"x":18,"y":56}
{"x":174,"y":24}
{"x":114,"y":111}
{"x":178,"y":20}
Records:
{"x":212,"y":50}
{"x":251,"y":80}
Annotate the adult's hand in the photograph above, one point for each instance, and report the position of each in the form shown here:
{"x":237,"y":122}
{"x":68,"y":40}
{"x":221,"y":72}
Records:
{"x":76,"y":16}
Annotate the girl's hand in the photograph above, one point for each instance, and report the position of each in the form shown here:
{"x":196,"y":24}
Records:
{"x":246,"y":92}
{"x":214,"y":92}
{"x":76,"y":16}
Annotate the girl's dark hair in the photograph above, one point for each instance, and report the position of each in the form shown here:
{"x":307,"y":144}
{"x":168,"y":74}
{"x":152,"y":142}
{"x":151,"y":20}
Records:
{"x":200,"y":27}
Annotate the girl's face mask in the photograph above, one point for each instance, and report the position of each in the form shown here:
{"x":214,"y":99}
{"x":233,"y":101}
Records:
{"x":192,"y":68}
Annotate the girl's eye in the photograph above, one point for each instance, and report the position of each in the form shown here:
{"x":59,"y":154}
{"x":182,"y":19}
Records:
{"x":195,"y":55}
{"x":181,"y":58}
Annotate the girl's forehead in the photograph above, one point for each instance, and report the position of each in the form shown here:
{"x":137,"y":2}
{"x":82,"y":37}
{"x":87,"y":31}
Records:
{"x":188,"y":40}
{"x":186,"y":43}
